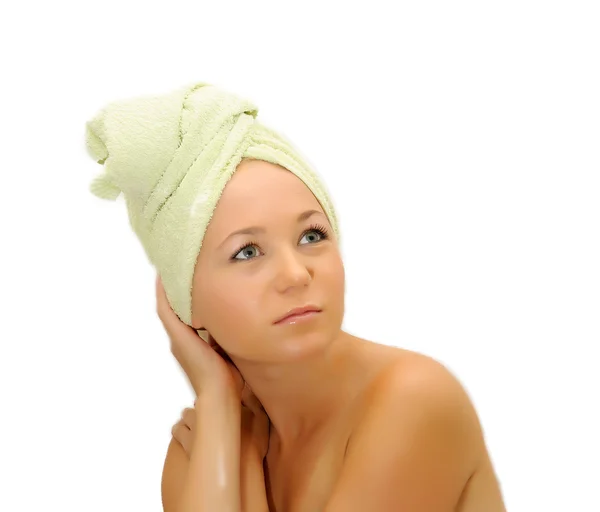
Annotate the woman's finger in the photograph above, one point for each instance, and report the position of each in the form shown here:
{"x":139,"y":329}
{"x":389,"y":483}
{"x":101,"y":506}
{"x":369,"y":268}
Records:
{"x":183,"y":436}
{"x":188,"y":416}
{"x":178,"y":425}
{"x":160,"y":296}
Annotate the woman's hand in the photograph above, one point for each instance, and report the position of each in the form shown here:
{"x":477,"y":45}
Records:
{"x":183,"y":430}
{"x":253,"y":448}
{"x":254,"y":429}
{"x":206,"y":365}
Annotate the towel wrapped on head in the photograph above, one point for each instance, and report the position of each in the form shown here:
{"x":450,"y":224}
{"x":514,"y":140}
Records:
{"x":171,"y":156}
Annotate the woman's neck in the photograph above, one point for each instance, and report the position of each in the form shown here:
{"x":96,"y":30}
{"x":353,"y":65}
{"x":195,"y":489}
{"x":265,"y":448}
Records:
{"x":304,"y":397}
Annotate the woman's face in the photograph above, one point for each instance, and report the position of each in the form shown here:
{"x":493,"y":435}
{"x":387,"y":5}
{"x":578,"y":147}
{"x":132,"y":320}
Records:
{"x":238,"y":293}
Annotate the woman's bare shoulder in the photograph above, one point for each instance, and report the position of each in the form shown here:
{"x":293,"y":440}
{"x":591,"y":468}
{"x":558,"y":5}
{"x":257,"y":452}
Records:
{"x":405,"y":373}
{"x":394,"y":362}
{"x":173,"y":475}
{"x":410,"y":380}
{"x":388,"y":360}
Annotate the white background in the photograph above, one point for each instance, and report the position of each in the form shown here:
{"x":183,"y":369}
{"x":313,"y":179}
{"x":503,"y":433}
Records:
{"x":460,"y":142}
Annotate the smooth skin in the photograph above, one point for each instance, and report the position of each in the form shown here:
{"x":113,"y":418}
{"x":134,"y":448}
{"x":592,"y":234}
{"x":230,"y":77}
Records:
{"x":415,"y":442}
{"x":222,"y":396}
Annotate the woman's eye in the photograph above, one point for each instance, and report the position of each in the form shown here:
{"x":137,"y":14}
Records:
{"x":312,"y":230}
{"x":244,"y":249}
{"x":321,"y":235}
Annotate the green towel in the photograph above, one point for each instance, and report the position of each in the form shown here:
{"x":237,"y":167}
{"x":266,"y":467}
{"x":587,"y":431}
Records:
{"x":171,"y":156}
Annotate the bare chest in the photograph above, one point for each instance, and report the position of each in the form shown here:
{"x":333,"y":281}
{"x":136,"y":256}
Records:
{"x":305,"y":481}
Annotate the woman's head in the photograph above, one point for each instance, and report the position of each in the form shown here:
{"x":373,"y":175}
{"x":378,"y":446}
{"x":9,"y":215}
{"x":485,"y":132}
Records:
{"x":238,"y":294}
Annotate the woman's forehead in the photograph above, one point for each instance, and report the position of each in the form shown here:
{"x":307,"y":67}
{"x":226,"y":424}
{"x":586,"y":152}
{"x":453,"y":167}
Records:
{"x":258,"y":196}
{"x":265,"y":188}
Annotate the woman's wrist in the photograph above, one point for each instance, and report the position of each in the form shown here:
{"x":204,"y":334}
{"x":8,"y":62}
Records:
{"x":216,"y":397}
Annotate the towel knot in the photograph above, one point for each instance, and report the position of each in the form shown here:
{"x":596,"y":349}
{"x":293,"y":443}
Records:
{"x":104,"y":188}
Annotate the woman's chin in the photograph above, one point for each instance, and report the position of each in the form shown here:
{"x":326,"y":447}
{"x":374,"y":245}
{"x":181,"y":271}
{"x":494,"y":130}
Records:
{"x":302,"y":345}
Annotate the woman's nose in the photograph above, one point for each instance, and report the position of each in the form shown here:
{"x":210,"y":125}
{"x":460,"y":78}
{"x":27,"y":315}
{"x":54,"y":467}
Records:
{"x":292,"y":268}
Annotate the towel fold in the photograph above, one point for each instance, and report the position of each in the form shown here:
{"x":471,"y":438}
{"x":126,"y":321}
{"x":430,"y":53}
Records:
{"x":171,"y":156}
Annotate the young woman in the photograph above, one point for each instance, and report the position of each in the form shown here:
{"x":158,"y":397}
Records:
{"x":297,"y":415}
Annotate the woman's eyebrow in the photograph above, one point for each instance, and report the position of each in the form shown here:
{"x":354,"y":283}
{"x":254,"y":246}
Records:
{"x":251,"y":230}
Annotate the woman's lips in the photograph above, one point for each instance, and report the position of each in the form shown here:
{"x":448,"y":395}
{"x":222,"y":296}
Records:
{"x":293,"y":319}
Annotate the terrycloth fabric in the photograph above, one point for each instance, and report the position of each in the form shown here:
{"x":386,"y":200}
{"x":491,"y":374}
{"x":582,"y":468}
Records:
{"x":171,"y":156}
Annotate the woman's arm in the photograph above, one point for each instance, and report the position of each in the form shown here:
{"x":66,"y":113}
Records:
{"x":254,"y":445}
{"x":253,"y":489}
{"x":212,"y":482}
